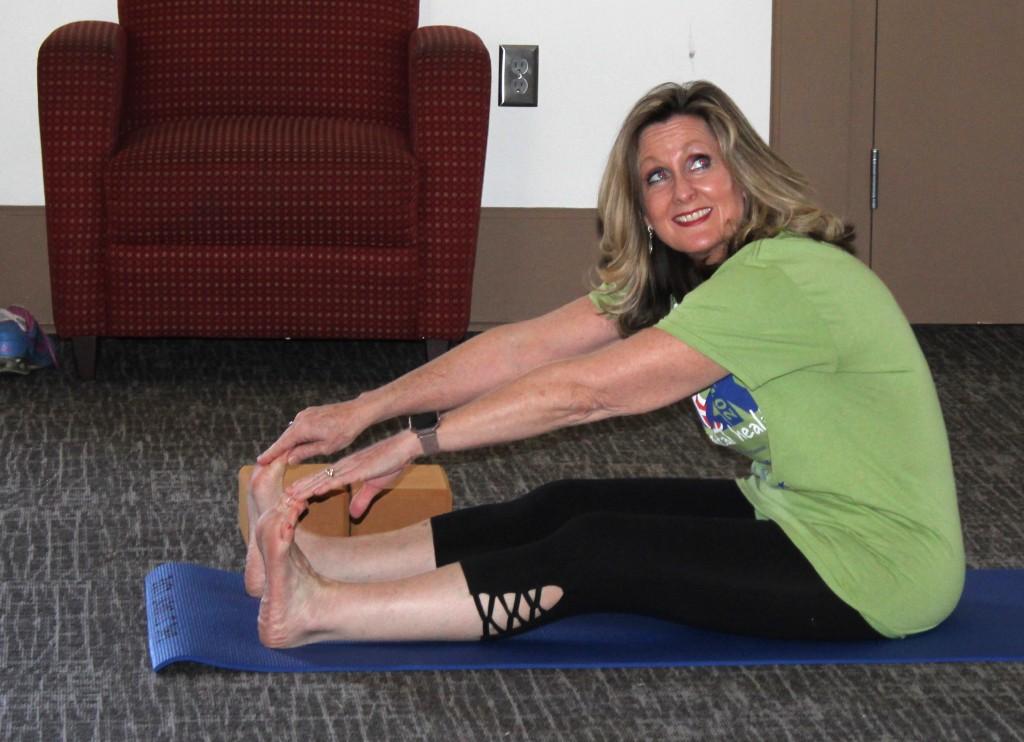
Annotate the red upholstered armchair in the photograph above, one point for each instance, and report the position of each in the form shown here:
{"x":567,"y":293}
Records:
{"x":252,"y":168}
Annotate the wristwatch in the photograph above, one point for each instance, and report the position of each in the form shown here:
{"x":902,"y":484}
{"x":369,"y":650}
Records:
{"x":425,"y":426}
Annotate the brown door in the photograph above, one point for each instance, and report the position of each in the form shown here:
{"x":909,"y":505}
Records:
{"x":938,"y":88}
{"x":949,"y":129}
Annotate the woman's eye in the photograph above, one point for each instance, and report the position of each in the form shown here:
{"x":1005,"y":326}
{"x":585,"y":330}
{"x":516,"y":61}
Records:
{"x":700,"y":162}
{"x":656,"y":176}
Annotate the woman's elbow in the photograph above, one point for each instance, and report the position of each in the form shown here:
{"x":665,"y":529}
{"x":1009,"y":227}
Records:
{"x":585,"y":404}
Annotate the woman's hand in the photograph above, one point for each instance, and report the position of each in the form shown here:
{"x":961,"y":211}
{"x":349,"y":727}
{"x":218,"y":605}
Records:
{"x":318,"y":431}
{"x":378,"y":467}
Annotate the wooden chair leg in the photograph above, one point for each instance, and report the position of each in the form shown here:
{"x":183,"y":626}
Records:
{"x":84,"y":350}
{"x":436,"y":347}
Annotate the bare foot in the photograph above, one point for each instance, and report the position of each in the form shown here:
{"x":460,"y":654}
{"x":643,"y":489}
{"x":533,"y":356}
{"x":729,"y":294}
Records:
{"x":266,"y":489}
{"x":292,"y":592}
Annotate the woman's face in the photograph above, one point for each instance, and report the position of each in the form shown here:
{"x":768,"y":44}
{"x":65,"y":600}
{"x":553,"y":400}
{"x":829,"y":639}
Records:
{"x":689,"y":196}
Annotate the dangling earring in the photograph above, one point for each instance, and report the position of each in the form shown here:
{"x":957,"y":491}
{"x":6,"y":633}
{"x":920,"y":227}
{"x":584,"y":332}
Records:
{"x":650,"y":239}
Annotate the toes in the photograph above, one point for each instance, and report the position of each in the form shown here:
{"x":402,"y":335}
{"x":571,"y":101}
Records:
{"x":269,"y":475}
{"x":276,"y":469}
{"x":287,"y":531}
{"x":293,"y":511}
{"x":280,"y":521}
{"x":259,"y":473}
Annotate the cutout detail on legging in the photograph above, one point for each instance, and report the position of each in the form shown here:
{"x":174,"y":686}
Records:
{"x":510,"y":609}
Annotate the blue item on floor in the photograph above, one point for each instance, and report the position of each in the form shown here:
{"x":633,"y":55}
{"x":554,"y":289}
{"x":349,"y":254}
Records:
{"x":198,"y":614}
{"x":23,"y":344}
{"x":13,"y":346}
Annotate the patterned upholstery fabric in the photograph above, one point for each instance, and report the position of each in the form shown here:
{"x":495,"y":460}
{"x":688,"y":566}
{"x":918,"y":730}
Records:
{"x":345,"y":58}
{"x":210,"y":291}
{"x":263,"y":180}
{"x":263,"y":169}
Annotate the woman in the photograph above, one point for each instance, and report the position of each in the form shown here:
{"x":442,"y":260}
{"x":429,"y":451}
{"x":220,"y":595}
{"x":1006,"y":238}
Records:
{"x":720,"y":281}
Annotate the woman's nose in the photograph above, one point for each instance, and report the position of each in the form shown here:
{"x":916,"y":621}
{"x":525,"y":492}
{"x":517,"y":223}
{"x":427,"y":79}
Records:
{"x":683,"y":190}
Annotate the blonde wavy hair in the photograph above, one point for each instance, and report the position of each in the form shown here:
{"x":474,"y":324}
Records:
{"x":636,"y":285}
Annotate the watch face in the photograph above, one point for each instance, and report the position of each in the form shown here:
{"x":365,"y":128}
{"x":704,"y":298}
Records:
{"x":423,"y":421}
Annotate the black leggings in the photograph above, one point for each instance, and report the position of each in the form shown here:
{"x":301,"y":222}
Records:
{"x":688,"y":550}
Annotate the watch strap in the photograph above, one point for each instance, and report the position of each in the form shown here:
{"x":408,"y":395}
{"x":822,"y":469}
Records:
{"x":429,"y":442}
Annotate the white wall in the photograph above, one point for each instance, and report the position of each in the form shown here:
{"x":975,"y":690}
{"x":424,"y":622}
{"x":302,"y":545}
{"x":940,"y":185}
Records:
{"x":596,"y":58}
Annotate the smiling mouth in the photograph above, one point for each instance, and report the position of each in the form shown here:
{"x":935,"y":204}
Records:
{"x":693,"y":216}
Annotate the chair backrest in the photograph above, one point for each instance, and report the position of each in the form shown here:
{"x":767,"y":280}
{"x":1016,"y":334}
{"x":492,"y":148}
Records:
{"x":345,"y":58}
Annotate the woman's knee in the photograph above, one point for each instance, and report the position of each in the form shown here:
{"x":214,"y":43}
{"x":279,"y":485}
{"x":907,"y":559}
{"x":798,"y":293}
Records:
{"x":558,"y":501}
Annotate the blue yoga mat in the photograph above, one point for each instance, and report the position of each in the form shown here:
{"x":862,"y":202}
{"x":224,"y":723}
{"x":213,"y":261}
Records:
{"x":198,"y":614}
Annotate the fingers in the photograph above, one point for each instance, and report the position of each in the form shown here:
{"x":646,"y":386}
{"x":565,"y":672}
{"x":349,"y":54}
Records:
{"x":315,"y":431}
{"x":362,"y":498}
{"x":293,"y":509}
{"x":328,"y":479}
{"x":299,"y":441}
{"x":365,"y":495}
{"x":285,"y":442}
{"x":306,"y":451}
{"x":379,"y":465}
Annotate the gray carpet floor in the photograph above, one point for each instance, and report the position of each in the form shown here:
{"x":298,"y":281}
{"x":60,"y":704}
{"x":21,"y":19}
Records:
{"x":101,"y":481}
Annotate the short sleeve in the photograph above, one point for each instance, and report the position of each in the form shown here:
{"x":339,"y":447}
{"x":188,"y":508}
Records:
{"x":753,"y":321}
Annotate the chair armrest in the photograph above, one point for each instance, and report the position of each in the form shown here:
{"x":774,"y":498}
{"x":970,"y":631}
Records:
{"x":450,"y":91}
{"x":81,"y":71}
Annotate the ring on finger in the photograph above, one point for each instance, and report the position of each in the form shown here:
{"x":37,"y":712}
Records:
{"x":329,"y":471}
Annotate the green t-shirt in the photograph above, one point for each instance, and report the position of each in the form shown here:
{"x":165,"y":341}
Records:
{"x":831,"y":397}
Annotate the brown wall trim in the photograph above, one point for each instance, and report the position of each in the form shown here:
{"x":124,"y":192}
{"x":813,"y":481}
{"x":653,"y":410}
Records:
{"x":24,"y":268}
{"x":528,"y":261}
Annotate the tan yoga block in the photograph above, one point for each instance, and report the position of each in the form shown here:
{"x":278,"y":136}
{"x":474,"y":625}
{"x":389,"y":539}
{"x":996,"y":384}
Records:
{"x":421,"y":493}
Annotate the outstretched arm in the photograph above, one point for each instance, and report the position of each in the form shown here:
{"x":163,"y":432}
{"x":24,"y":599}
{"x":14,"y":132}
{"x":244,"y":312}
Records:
{"x":647,"y":371}
{"x":485,"y":362}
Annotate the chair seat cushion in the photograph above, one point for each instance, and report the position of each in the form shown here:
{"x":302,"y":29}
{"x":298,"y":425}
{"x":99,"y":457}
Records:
{"x":271,"y":180}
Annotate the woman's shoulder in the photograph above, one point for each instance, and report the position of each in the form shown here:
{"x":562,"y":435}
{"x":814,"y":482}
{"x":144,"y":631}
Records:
{"x":788,"y":246}
{"x":789,"y":252}
{"x":792,"y":262}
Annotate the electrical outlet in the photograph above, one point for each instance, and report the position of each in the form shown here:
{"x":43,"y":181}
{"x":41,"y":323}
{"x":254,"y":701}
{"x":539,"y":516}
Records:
{"x":518,"y":86}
